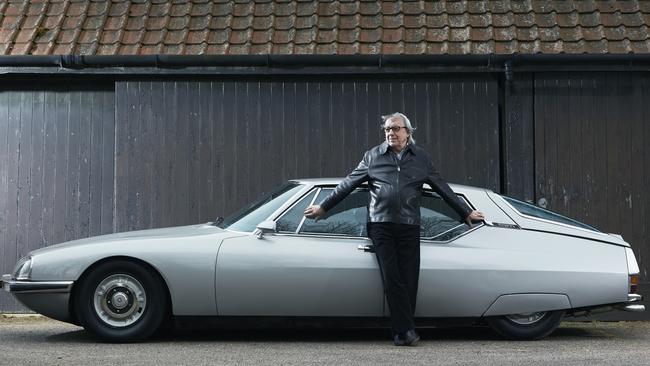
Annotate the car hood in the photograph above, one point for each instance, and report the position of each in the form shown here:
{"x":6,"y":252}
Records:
{"x":169,"y":232}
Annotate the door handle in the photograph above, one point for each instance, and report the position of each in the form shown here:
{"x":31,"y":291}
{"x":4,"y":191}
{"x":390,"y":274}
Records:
{"x":370,"y":248}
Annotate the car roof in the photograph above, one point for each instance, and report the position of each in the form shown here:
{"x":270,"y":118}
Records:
{"x":335,"y":181}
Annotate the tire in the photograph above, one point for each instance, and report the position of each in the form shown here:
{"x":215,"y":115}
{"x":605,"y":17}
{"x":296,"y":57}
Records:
{"x":526,"y":327}
{"x":121,"y":301}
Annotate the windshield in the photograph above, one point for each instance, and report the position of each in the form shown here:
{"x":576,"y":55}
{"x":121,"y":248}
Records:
{"x":531,"y":210}
{"x":250,"y":216}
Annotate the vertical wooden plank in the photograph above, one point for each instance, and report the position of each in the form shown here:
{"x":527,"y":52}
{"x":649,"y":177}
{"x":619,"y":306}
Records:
{"x":600,"y":154}
{"x":61,"y":125}
{"x":218,"y":128}
{"x":84,"y":111}
{"x":109,"y":113}
{"x":182,"y":158}
{"x":290,"y":126}
{"x":36,"y":235}
{"x":13,"y":146}
{"x":193,"y":149}
{"x":230,"y":126}
{"x":146,"y":146}
{"x":24,"y":177}
{"x":94,"y":119}
{"x":6,"y":132}
{"x":169,"y":118}
{"x":121,"y":193}
{"x":373,"y":115}
{"x":158,"y":151}
{"x":348,"y":132}
{"x":276,"y":119}
{"x":206,"y":203}
{"x":613,"y":132}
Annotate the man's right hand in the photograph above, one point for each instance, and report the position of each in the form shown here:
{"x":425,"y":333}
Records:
{"x":314,"y":212}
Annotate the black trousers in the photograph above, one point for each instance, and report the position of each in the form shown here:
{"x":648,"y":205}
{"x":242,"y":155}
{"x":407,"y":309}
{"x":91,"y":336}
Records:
{"x":397,"y":247}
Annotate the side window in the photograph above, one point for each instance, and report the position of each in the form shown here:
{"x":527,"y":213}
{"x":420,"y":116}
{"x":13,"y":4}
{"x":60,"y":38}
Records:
{"x":348,"y":218}
{"x":438,"y":220}
{"x":289,"y":222}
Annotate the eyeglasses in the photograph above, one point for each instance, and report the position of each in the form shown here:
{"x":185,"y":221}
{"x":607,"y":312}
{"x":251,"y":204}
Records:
{"x":393,"y":128}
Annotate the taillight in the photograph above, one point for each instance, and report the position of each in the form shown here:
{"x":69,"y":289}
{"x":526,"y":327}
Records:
{"x":634,"y":282}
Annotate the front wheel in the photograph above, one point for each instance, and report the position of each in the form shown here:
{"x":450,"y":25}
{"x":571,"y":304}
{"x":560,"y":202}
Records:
{"x":121,"y":301}
{"x":528,"y":326}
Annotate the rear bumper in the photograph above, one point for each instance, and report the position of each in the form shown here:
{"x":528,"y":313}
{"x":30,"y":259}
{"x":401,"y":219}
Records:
{"x":631,"y":304}
{"x":50,"y":298}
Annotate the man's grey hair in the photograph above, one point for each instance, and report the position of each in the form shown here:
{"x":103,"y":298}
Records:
{"x":406,"y":120}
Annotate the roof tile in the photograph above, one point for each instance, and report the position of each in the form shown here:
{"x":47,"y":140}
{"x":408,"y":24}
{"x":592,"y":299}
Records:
{"x":54,"y":9}
{"x":370,"y":48}
{"x":524,"y":20}
{"x":180,"y":9}
{"x":527,"y":34}
{"x":574,"y":46}
{"x":30,"y":22}
{"x":156,"y":23}
{"x":541,"y":7}
{"x":132,"y":37}
{"x":150,"y":49}
{"x":111,"y":37}
{"x":571,"y":34}
{"x":9,"y":22}
{"x":530,"y":47}
{"x":593,"y":33}
{"x":349,"y":8}
{"x":243,"y":9}
{"x":159,"y":10}
{"x":220,"y":22}
{"x":284,"y":9}
{"x":459,"y":34}
{"x":622,"y":46}
{"x":306,"y":8}
{"x":370,"y":35}
{"x":517,"y":7}
{"x":482,"y":48}
{"x":173,"y":49}
{"x":15,"y":9}
{"x":107,"y":50}
{"x":36,"y":8}
{"x":477,"y":7}
{"x":41,"y":49}
{"x":438,"y":35}
{"x":303,"y":22}
{"x":118,"y":9}
{"x":549,"y":34}
{"x":413,"y":7}
{"x":326,"y":49}
{"x":218,"y":36}
{"x":263,"y":9}
{"x":152,"y":38}
{"x":240,"y":36}
{"x":641,"y":46}
{"x":481,"y":34}
{"x":637,"y":33}
{"x":505,"y":48}
{"x":589,"y":20}
{"x":392,"y":35}
{"x":97,"y":8}
{"x":238,"y":49}
{"x":72,"y":22}
{"x":63,"y":49}
{"x":134,"y":23}
{"x":178,"y":23}
{"x":615,"y":33}
{"x":584,"y":6}
{"x":370,"y":8}
{"x":501,"y":20}
{"x":5,"y":35}
{"x":326,"y":22}
{"x":283,"y":49}
{"x":200,"y":10}
{"x":239,"y":23}
{"x":94,"y":22}
{"x":216,"y":49}
{"x":138,"y":10}
{"x":261,"y":37}
{"x":390,"y":7}
{"x":438,"y":48}
{"x":370,"y":21}
{"x":284,"y":23}
{"x":222,"y":9}
{"x":348,"y":36}
{"x":459,"y":48}
{"x":51,"y":22}
{"x":611,"y":19}
{"x":545,"y":20}
{"x":199,"y":23}
{"x":45,"y":37}
{"x":415,"y":35}
{"x":262,"y":23}
{"x":114,"y":23}
{"x":348,"y":49}
{"x":129,"y":49}
{"x":456,"y":7}
{"x":21,"y":49}
{"x":459,"y":21}
{"x":89,"y":36}
{"x":634,"y":19}
{"x":499,"y":7}
{"x":392,"y":21}
{"x":552,"y":47}
{"x":480,"y":20}
{"x":568,"y":20}
{"x":348,"y":21}
{"x":304,"y":49}
{"x":175,"y":37}
{"x":25,"y":35}
{"x":628,"y":6}
{"x":434,"y":7}
{"x":326,"y":36}
{"x":304,"y":36}
{"x":196,"y":37}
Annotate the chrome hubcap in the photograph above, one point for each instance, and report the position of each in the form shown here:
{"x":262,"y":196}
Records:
{"x":120,"y":300}
{"x":526,"y":318}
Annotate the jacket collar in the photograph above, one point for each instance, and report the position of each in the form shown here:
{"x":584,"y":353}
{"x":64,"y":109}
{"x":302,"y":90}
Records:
{"x":383,"y":148}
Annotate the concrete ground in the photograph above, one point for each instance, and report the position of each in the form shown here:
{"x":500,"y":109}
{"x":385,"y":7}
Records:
{"x":34,"y":340}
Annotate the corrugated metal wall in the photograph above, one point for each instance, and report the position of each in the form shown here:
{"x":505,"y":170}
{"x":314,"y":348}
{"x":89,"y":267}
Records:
{"x":56,"y":167}
{"x":591,"y":132}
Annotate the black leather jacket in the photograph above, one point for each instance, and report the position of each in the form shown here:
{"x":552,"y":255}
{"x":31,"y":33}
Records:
{"x":395,"y":185}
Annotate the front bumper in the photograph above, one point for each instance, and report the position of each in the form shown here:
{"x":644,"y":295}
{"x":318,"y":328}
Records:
{"x":50,"y":298}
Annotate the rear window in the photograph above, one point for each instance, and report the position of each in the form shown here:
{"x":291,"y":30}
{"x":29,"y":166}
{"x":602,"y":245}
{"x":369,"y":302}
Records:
{"x":531,"y":210}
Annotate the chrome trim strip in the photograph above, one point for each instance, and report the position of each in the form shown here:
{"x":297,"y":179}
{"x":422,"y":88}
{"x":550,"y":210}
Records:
{"x":548,"y":221}
{"x":14,"y":286}
{"x":302,"y":221}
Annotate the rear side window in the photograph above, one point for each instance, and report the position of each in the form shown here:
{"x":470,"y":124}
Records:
{"x":538,"y":212}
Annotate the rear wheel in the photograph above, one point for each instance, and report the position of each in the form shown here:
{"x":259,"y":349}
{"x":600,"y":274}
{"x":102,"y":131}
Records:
{"x":121,"y":301}
{"x":526,"y":326}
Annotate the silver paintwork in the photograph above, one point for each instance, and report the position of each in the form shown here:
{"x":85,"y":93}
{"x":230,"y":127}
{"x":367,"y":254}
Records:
{"x":523,"y":265}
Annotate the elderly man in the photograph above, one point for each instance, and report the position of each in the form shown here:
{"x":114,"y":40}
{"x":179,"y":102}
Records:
{"x":395,"y":172}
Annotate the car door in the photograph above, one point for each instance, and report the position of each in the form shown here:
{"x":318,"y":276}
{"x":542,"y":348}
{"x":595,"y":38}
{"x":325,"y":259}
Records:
{"x":306,"y":268}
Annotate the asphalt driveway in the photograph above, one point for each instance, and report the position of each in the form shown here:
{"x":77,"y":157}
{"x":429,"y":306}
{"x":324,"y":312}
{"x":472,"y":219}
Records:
{"x":40,"y":341}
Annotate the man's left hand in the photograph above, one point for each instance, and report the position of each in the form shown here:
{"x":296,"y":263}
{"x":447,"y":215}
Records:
{"x":474,"y":216}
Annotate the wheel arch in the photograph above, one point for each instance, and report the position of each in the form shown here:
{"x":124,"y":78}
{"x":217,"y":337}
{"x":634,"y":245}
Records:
{"x":89,"y":269}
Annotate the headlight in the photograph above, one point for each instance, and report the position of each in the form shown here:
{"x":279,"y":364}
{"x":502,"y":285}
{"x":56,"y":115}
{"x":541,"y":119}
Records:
{"x":23,"y":269}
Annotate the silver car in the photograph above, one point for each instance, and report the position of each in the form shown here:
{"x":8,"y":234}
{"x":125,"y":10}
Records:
{"x":521,"y":272}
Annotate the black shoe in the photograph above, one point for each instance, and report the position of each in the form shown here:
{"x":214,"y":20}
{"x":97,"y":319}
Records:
{"x":397,"y":340}
{"x":410,"y":338}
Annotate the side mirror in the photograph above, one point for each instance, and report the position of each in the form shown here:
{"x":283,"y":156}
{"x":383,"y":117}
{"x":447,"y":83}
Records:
{"x":263,"y":227}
